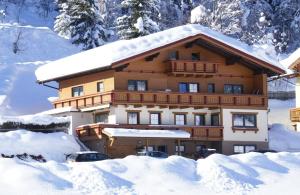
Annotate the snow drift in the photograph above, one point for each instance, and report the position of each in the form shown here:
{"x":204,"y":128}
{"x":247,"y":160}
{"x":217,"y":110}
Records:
{"x":52,"y":146}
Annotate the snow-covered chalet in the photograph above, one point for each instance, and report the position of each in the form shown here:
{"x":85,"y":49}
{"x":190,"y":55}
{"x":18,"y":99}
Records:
{"x":176,"y":91}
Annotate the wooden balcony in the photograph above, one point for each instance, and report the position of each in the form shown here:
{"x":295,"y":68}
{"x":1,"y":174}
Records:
{"x":166,"y":99}
{"x":173,"y":99}
{"x":204,"y":133}
{"x":192,"y":67}
{"x":295,"y":115}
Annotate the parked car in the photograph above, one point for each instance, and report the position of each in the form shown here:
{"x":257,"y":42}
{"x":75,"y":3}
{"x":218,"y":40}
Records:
{"x":155,"y":154}
{"x":264,"y":151}
{"x":87,"y":156}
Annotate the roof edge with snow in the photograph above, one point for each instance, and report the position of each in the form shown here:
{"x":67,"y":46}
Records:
{"x":107,"y":56}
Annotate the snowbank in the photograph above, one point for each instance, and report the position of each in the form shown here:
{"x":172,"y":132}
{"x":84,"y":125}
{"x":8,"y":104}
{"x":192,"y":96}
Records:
{"x":52,"y":146}
{"x":40,"y":119}
{"x":106,"y":55}
{"x":251,"y":173}
{"x":283,"y":139}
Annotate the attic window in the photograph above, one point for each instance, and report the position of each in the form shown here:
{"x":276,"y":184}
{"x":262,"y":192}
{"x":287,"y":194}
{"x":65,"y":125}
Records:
{"x":174,"y":55}
{"x":196,"y":56}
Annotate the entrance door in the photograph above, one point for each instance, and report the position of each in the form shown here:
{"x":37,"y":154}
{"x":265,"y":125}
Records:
{"x":162,"y":148}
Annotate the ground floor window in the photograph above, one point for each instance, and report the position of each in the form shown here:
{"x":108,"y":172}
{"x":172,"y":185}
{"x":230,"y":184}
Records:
{"x":215,"y":121}
{"x":101,"y":117}
{"x":244,"y":120}
{"x":155,"y":118}
{"x":162,"y":148}
{"x":180,"y":119}
{"x":133,"y":118}
{"x":199,"y":119}
{"x":239,"y":149}
{"x":179,"y":149}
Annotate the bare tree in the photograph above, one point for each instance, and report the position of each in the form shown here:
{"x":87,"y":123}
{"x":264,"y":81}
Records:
{"x":16,"y":43}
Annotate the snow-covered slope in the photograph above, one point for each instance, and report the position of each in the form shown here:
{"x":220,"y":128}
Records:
{"x":37,"y":45}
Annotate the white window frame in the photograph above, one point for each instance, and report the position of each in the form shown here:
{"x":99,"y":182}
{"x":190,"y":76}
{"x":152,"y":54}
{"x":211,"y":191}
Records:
{"x":130,"y":120}
{"x":77,"y":93}
{"x":155,"y":121}
{"x":100,"y":86}
{"x":179,"y":121}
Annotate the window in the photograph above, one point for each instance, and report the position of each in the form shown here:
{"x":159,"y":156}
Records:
{"x":101,"y":117}
{"x":162,"y":148}
{"x":149,"y":148}
{"x":188,"y":87}
{"x":195,"y":56}
{"x":179,"y":149}
{"x":155,"y":119}
{"x":199,"y":119}
{"x":215,"y":120}
{"x":183,"y":87}
{"x":236,"y":89}
{"x":100,"y":87}
{"x":238,"y":149}
{"x":133,"y":118}
{"x":193,"y":87}
{"x":211,"y":88}
{"x":199,"y":148}
{"x":135,"y":85}
{"x":180,"y":119}
{"x":244,"y":120}
{"x":174,"y":55}
{"x":77,"y":91}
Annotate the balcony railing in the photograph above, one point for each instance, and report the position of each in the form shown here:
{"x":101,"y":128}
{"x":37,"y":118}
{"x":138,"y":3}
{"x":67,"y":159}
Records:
{"x":161,"y":98}
{"x":205,"y":133}
{"x":192,"y":67}
{"x":188,"y":99}
{"x":295,"y":115}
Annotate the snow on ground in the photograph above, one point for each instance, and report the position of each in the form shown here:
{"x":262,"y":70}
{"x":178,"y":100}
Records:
{"x":283,"y":139}
{"x":52,"y":146}
{"x":38,"y":45}
{"x":280,"y":111}
{"x":251,"y":173}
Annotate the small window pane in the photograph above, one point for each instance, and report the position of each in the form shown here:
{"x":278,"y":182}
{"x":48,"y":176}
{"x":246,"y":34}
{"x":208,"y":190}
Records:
{"x":249,"y":148}
{"x":199,"y":120}
{"x":141,"y":85}
{"x":238,"y":120}
{"x":101,"y":118}
{"x":100,"y":87}
{"x":180,"y":148}
{"x":211,"y":88}
{"x":77,"y":91}
{"x":238,"y":149}
{"x":215,"y":120}
{"x":179,"y":119}
{"x":228,"y":89}
{"x":155,"y":118}
{"x":183,"y":87}
{"x":195,"y":56}
{"x":131,"y":85}
{"x":193,"y":87}
{"x":250,"y":120}
{"x":133,"y":118}
{"x":174,"y":55}
{"x":237,"y":89}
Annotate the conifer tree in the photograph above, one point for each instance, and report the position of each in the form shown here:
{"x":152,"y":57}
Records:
{"x":80,"y":21}
{"x":139,"y":18}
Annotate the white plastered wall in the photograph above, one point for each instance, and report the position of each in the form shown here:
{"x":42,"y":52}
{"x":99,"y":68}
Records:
{"x":77,"y":119}
{"x":119,"y":114}
{"x":262,"y":125}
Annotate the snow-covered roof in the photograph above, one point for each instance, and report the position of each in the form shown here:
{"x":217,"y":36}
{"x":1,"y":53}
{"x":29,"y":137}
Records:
{"x":106,"y":55}
{"x":292,"y":59}
{"x":59,"y":110}
{"x":122,"y":132}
